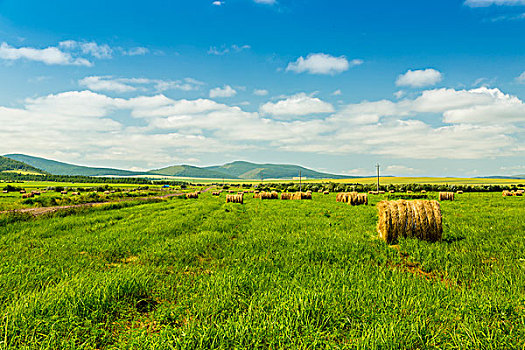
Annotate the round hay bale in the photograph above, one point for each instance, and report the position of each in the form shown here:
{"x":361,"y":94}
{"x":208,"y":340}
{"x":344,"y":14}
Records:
{"x":446,"y":196}
{"x":326,"y":192}
{"x":418,"y":219}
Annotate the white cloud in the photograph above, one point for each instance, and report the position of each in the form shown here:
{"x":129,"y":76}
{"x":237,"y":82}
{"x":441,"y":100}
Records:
{"x":419,"y":78}
{"x":320,"y":63}
{"x":337,"y":92}
{"x":266,"y":2}
{"x":227,"y":49}
{"x":260,"y":92}
{"x":486,"y":3}
{"x":225,"y":91}
{"x":105,"y":84}
{"x":136,"y":51}
{"x":297,"y":105}
{"x":217,"y":3}
{"x":399,"y":170}
{"x":49,"y":55}
{"x":109,"y":83}
{"x":88,"y":48}
{"x":467,"y":124}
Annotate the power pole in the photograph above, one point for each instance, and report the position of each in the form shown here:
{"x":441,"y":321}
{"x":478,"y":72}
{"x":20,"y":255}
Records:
{"x":300,"y":181}
{"x":377,"y":166}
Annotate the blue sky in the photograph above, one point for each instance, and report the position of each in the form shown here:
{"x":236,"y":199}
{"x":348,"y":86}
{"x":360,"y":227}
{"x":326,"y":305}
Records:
{"x":422,"y":87}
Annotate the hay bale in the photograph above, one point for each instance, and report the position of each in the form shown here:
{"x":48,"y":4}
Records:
{"x":216,"y":193}
{"x":423,"y":191}
{"x":286,"y":196}
{"x":301,"y":195}
{"x":446,"y":196}
{"x":22,"y":191}
{"x":506,"y":193}
{"x":418,"y":219}
{"x":235,"y":198}
{"x":269,"y":195}
{"x":354,"y":198}
{"x":380,"y":192}
{"x":518,"y":193}
{"x":192,"y":195}
{"x":65,"y":192}
{"x":391,"y":191}
{"x":326,"y":192}
{"x":459,"y":192}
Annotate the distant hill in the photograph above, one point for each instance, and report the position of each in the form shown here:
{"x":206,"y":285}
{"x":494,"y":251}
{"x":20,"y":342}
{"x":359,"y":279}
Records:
{"x":11,"y":165}
{"x":512,"y":177}
{"x":190,"y":171}
{"x":58,"y":168}
{"x":247,"y":170}
{"x":235,"y":170}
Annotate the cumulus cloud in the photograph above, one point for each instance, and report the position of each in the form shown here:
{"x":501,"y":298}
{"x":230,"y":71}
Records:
{"x":260,"y":92}
{"x":486,"y":3}
{"x":297,"y":105}
{"x":88,"y":48}
{"x":217,"y":3}
{"x":109,"y":83}
{"x":225,"y":91}
{"x":49,"y":55}
{"x":468,"y":124}
{"x":419,"y":78}
{"x":320,"y":63}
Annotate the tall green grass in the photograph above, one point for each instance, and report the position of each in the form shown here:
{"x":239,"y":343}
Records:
{"x":267,"y":274}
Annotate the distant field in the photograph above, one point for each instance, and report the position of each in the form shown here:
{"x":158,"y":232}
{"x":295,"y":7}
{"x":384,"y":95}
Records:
{"x":369,"y":180}
{"x":202,"y":274}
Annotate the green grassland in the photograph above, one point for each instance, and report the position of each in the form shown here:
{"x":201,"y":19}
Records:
{"x":200,"y":274}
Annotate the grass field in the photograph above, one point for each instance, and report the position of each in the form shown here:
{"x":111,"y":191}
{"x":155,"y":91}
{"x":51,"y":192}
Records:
{"x":267,"y":274}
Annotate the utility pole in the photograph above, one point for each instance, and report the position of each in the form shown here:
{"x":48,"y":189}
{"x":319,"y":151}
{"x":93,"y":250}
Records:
{"x":377,"y":166}
{"x":300,"y":181}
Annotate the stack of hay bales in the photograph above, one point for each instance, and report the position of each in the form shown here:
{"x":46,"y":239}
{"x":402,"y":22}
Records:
{"x":192,"y":195}
{"x":446,"y":196}
{"x":354,"y":198}
{"x":234,"y":198}
{"x":28,"y":195}
{"x":326,"y":192}
{"x":286,"y":196}
{"x":301,"y":195}
{"x":419,"y":219}
{"x":274,"y":194}
{"x":519,"y":192}
{"x":506,"y":193}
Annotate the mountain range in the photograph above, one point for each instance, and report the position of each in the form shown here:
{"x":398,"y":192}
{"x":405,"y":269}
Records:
{"x":235,"y":170}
